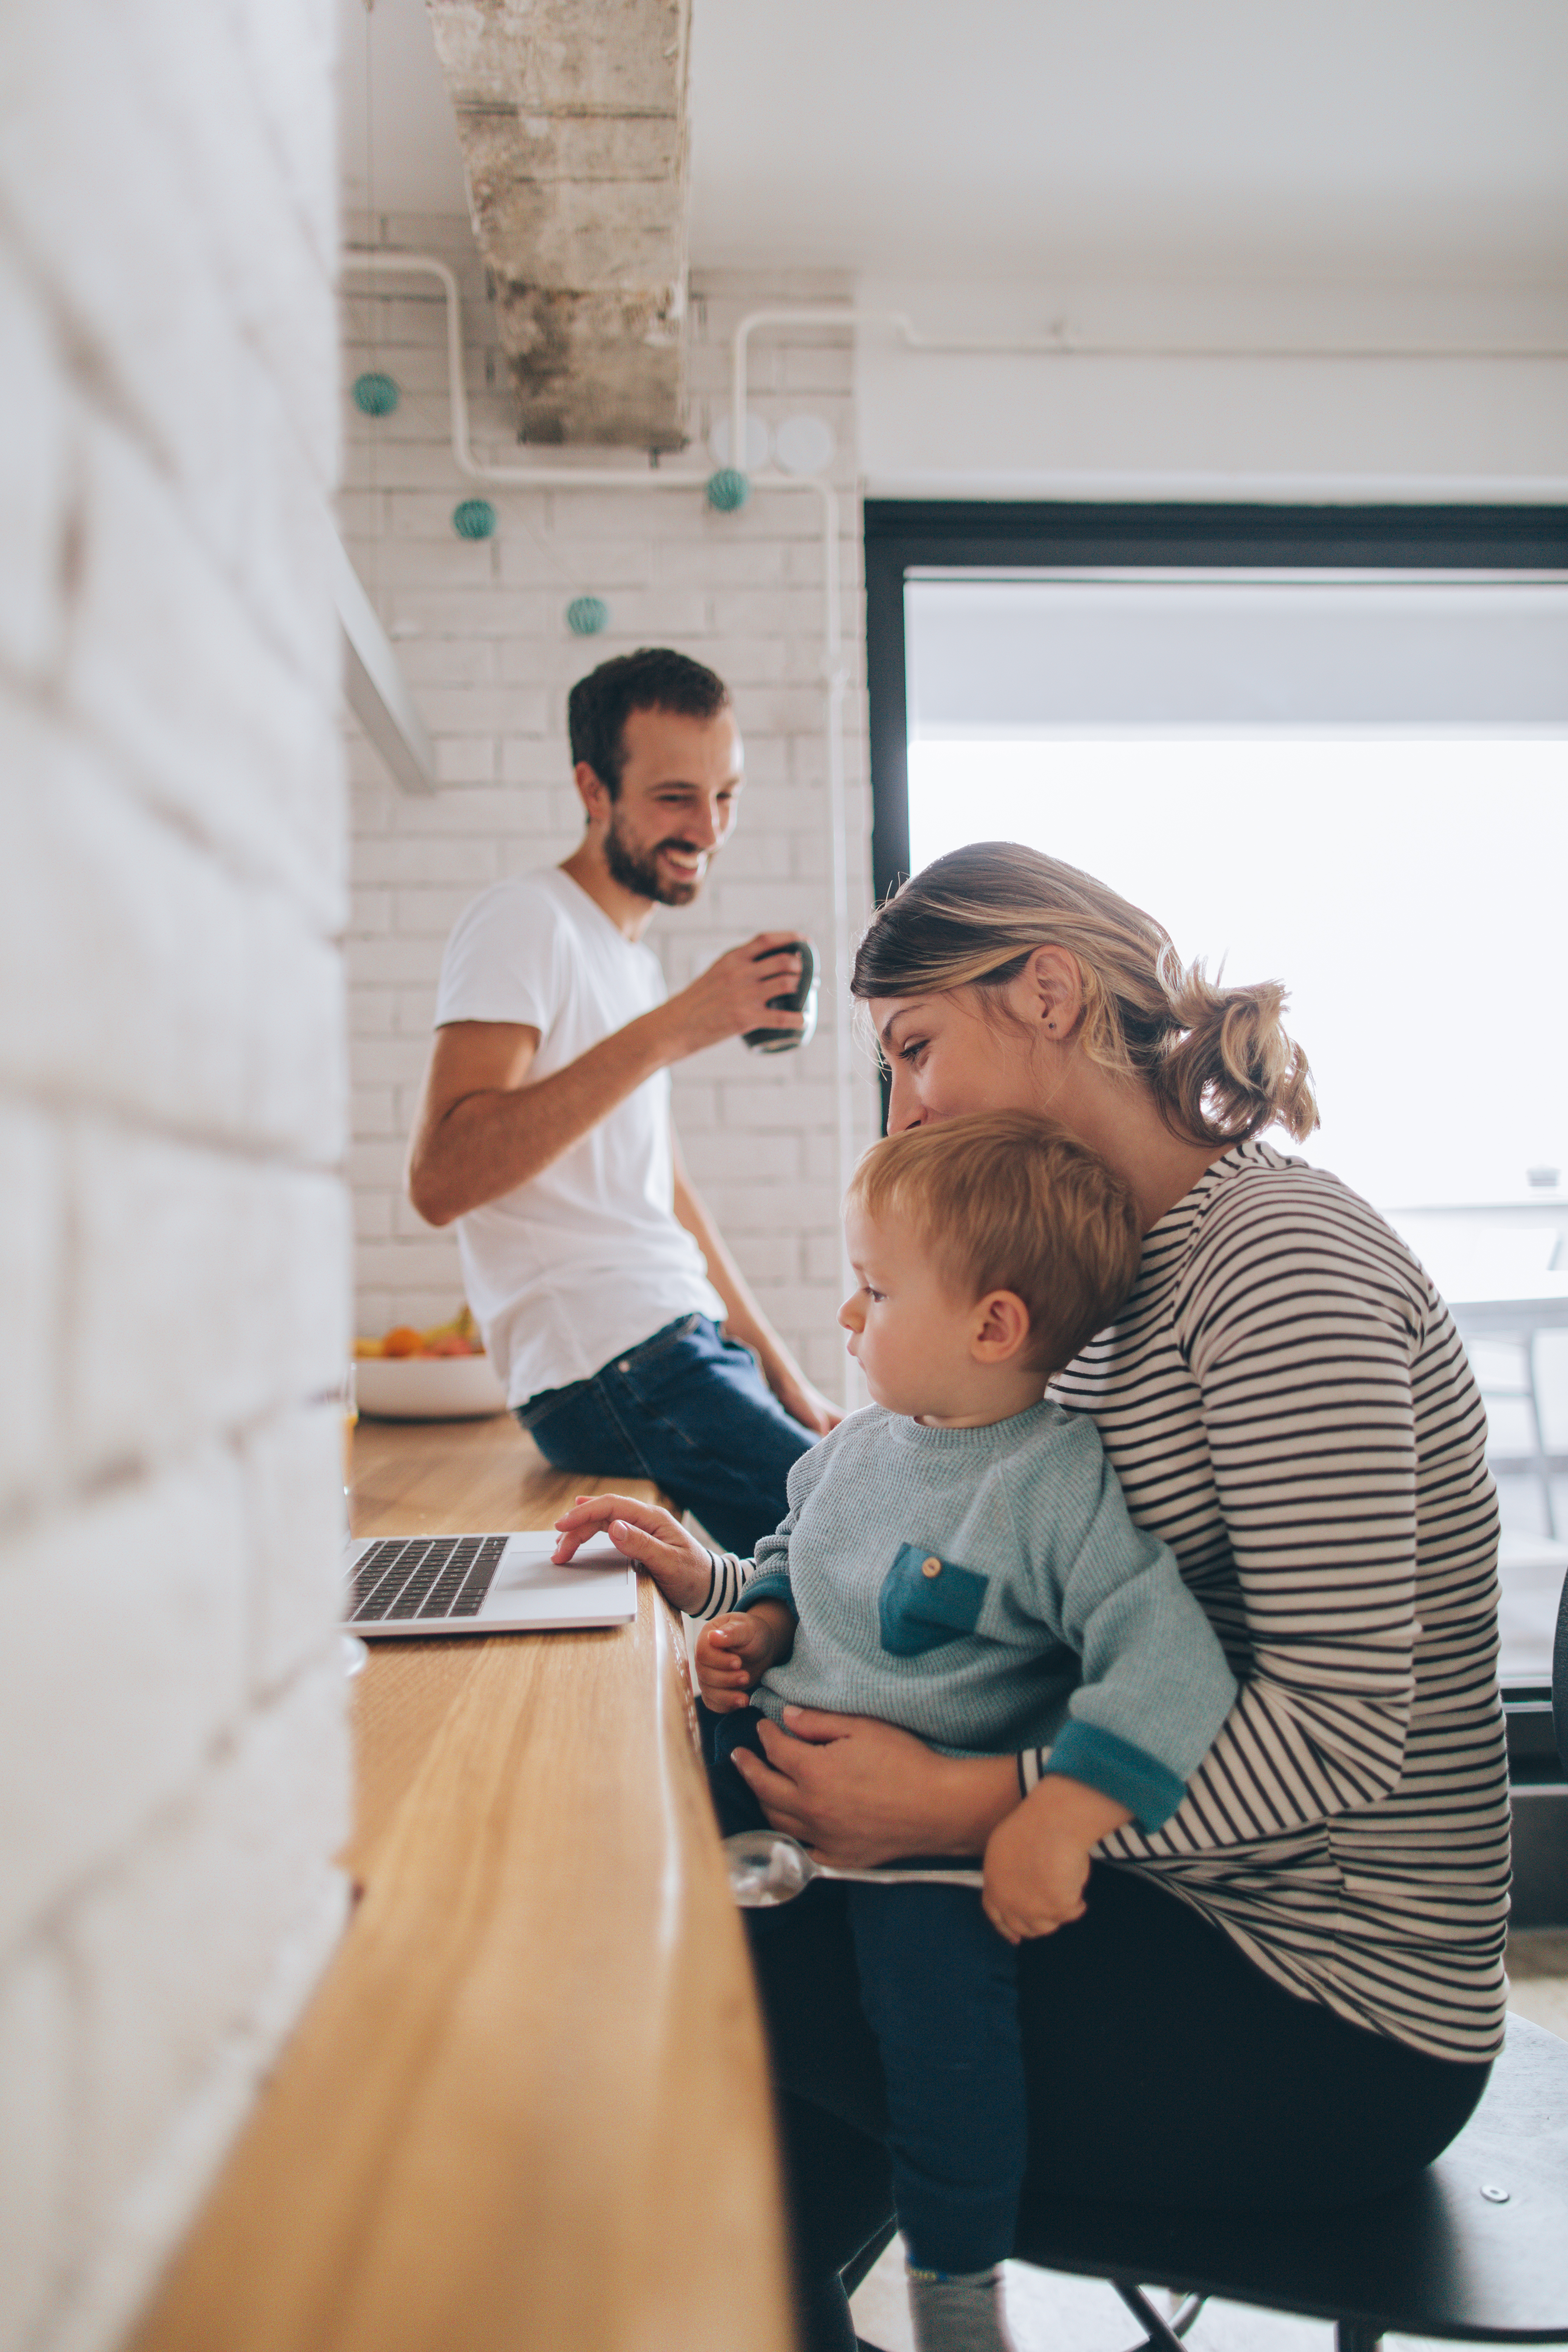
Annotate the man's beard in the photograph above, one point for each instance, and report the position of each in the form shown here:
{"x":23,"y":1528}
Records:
{"x":640,"y":874}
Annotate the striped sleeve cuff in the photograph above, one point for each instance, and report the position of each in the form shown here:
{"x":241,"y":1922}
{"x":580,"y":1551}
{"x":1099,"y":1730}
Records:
{"x":724,"y":1583}
{"x":1149,"y":1790}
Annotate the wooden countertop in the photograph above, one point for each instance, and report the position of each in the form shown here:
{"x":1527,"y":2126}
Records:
{"x":528,"y":2105}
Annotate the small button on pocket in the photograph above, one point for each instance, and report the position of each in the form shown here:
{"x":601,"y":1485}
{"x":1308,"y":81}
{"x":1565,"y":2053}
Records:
{"x":927,"y":1601}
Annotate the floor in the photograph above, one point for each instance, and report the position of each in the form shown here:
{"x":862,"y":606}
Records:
{"x":1050,"y":2313}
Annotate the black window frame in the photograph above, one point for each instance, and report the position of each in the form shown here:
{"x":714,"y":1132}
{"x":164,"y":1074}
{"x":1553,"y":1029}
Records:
{"x":905,"y":535}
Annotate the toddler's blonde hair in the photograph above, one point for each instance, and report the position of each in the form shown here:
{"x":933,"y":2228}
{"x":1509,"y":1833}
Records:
{"x":1008,"y":1201}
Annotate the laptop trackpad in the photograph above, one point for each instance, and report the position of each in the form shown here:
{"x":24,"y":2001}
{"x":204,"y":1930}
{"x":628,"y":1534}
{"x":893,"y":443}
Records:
{"x":598,"y":1577}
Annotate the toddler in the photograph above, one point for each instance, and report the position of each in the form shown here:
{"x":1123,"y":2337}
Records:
{"x":958,"y":1560}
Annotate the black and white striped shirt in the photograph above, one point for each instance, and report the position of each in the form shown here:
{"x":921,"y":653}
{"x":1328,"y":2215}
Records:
{"x":1286,"y":1402}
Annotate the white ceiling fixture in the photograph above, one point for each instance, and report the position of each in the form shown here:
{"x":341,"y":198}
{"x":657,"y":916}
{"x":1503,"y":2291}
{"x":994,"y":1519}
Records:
{"x":805,"y":444}
{"x":759,"y":441}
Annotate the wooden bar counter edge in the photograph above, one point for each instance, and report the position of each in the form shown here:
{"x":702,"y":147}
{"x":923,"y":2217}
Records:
{"x":528,"y":2105}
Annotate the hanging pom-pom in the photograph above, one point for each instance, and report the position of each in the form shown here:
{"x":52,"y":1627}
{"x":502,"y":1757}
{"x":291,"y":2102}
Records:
{"x":586,"y":616}
{"x":728,"y":490}
{"x":475,"y":518}
{"x":375,"y":394}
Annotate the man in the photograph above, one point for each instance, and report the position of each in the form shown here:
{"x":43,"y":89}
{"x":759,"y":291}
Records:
{"x":598,"y":1276}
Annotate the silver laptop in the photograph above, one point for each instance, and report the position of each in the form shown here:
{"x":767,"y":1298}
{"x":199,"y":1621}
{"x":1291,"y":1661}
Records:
{"x":428,"y":1585}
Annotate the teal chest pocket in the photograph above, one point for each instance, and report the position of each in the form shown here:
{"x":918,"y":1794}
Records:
{"x":927,"y":1601}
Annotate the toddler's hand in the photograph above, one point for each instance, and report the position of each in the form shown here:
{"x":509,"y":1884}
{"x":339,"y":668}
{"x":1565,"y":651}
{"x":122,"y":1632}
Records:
{"x":680,"y":1567}
{"x":733,"y":1653}
{"x":1037,"y":1861}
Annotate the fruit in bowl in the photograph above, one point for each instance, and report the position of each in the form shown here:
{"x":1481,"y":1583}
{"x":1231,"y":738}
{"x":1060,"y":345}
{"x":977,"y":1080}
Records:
{"x":438,"y":1374}
{"x":460,"y":1336}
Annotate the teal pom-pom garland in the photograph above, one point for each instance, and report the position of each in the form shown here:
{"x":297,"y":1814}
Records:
{"x":728,"y":490}
{"x":375,"y":395}
{"x":586,"y":616}
{"x":475,"y":518}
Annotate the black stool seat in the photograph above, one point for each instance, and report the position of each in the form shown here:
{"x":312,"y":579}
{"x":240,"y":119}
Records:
{"x":1475,"y":2248}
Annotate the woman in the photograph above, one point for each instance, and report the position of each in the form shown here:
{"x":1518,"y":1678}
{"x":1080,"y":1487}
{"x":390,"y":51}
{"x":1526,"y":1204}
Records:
{"x":1291,"y":1995}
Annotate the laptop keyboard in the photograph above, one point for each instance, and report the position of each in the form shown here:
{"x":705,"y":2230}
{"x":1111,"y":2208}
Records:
{"x":426,"y":1576}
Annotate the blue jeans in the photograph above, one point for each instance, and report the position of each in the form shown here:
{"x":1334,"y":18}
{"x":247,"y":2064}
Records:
{"x":689,"y":1410}
{"x":939,"y":1988}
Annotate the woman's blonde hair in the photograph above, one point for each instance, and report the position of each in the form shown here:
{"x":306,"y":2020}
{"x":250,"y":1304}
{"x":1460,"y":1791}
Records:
{"x":1008,"y":1201}
{"x":1217,"y":1060}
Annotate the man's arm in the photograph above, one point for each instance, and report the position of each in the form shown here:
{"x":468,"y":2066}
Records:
{"x":743,"y":1318}
{"x":483,"y":1127}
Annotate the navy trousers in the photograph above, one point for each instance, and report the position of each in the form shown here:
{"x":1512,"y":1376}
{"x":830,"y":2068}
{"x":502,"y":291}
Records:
{"x":939,"y":1988}
{"x":689,"y":1410}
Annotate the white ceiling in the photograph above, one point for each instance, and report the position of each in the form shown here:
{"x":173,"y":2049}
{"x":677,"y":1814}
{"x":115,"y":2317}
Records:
{"x":1006,"y":139}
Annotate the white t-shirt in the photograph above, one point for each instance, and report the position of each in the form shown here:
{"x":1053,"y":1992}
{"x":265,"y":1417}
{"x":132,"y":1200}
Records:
{"x":588,"y":1258}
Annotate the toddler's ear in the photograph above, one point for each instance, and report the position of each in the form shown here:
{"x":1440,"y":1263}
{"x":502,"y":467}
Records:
{"x":1000,"y":1328}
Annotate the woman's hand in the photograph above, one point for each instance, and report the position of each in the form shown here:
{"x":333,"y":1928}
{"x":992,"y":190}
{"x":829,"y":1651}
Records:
{"x":680,"y":1567}
{"x":858,"y":1793}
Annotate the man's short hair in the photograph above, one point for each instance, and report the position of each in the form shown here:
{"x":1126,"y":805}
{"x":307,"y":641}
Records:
{"x":1007,"y":1201}
{"x":653,"y":678}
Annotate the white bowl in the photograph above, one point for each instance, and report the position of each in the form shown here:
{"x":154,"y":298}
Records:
{"x":427,"y":1388}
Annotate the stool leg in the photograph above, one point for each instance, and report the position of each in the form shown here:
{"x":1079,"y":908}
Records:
{"x":1543,"y":1474}
{"x":1350,"y":2336}
{"x":1161,"y":2335}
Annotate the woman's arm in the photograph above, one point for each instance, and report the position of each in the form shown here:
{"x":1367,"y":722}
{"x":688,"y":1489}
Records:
{"x":858,"y":1793}
{"x":1300,"y":1320}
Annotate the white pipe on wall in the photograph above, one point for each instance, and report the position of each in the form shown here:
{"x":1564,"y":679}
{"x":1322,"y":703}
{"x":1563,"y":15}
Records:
{"x":1061,"y":342}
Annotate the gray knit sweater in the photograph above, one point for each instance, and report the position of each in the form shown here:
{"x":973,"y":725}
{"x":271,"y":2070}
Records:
{"x":986,"y":1589}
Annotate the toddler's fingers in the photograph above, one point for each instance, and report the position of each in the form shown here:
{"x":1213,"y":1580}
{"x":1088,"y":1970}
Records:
{"x":1001,"y":1922}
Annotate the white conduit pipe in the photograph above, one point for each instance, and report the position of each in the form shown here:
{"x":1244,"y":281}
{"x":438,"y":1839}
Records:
{"x":1061,"y":342}
{"x":835,"y":674}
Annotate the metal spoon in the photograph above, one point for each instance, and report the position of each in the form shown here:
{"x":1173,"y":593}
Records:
{"x":766,"y":1868}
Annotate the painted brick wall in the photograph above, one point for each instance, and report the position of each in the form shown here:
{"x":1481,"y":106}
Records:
{"x":173,"y":1256}
{"x":481,"y":633}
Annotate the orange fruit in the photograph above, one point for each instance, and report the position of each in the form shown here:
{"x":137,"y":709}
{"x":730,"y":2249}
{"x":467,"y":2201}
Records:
{"x":403,"y":1340}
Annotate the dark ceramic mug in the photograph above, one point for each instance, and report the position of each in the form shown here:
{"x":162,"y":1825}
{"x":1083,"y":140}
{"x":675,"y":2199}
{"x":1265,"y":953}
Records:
{"x":801,"y":998}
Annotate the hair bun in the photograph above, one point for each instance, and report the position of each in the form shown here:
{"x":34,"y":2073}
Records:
{"x":1229,"y":1068}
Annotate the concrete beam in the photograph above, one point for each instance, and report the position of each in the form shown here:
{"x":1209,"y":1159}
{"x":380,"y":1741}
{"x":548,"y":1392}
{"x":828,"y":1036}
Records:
{"x":572,"y":119}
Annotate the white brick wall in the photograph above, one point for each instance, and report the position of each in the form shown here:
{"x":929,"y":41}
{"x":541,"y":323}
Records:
{"x":481,"y":633}
{"x":175,"y":1251}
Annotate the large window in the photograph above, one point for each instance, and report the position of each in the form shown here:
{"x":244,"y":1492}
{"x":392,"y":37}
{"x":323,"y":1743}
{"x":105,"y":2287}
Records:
{"x":1326,"y":746}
